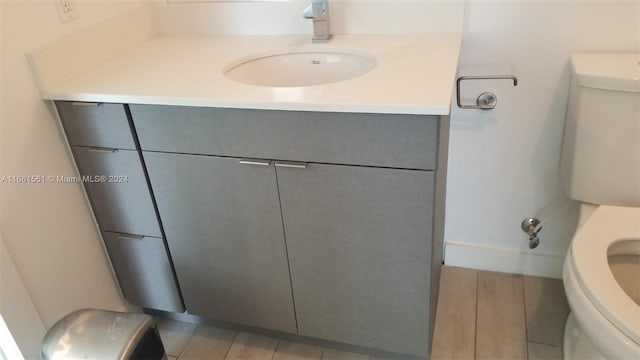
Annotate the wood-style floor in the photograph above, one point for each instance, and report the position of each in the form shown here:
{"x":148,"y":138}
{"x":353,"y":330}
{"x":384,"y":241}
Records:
{"x":485,"y":315}
{"x":481,"y":315}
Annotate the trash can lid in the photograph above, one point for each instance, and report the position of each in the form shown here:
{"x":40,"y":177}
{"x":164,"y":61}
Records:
{"x":95,"y":334}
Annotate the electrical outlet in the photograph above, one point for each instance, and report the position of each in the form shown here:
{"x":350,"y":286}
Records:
{"x":67,"y":10}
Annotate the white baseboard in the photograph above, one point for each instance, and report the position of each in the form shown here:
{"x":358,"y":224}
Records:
{"x":503,"y":260}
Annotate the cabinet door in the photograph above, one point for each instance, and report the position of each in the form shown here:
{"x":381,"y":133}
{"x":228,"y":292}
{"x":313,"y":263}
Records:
{"x":224,"y":230}
{"x":359,"y":244}
{"x":144,"y":271}
{"x":121,"y":201}
{"x":385,"y":140}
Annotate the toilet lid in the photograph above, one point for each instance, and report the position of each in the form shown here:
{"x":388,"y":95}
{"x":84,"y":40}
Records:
{"x":607,"y":225}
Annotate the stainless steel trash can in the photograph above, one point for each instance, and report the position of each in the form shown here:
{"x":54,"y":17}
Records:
{"x":100,"y":334}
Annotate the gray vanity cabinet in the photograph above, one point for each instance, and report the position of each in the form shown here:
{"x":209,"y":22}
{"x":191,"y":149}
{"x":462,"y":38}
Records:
{"x":336,"y":235}
{"x":111,"y":170}
{"x":359,"y":243}
{"x":326,"y":225}
{"x":223,"y":226}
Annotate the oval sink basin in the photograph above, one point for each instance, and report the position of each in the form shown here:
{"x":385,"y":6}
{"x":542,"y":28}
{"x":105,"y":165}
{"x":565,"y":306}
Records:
{"x":299,"y":68}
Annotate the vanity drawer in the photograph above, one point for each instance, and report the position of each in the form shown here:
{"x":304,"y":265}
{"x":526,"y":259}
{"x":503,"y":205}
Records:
{"x":385,"y":140}
{"x":144,"y":271}
{"x":96,"y":124}
{"x":122,"y":200}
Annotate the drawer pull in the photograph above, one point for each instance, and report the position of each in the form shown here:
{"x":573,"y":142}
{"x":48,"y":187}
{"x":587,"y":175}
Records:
{"x":291,"y":164}
{"x":255,"y":162}
{"x":82,"y":103}
{"x":129,"y":237}
{"x":102,"y":150}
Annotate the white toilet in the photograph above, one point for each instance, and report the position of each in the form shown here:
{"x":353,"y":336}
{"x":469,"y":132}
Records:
{"x":601,"y":168}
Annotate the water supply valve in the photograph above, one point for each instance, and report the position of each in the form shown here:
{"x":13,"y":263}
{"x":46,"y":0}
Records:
{"x":532,"y":226}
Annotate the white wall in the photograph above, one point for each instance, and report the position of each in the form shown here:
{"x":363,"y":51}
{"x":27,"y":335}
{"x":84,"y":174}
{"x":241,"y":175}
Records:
{"x":16,"y":307}
{"x":503,"y":164}
{"x":285,"y":17}
{"x":46,"y":228}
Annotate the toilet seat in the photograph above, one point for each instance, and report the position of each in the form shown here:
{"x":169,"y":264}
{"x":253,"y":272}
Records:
{"x":607,"y":226}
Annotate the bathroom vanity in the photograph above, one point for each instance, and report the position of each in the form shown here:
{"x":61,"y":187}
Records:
{"x":322,"y":224}
{"x":316,"y":210}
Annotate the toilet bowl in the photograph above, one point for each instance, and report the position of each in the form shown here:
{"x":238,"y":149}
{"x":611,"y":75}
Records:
{"x":602,"y":281}
{"x":600,"y":167}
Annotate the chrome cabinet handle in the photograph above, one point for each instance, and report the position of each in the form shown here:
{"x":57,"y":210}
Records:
{"x":255,"y":162}
{"x":487,"y":100}
{"x":291,"y":164}
{"x":101,"y":149}
{"x":123,"y":236}
{"x":82,"y":103}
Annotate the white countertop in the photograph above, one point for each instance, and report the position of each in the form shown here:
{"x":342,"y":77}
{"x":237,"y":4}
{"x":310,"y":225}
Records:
{"x":415,"y":74}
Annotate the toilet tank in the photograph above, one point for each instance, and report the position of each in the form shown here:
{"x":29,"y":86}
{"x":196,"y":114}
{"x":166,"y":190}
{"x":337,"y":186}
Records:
{"x":600,"y":161}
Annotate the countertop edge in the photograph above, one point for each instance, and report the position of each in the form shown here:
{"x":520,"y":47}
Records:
{"x":265,"y":105}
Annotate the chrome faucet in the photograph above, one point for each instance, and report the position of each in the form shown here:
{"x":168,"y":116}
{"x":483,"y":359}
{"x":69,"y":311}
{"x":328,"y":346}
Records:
{"x":319,"y":12}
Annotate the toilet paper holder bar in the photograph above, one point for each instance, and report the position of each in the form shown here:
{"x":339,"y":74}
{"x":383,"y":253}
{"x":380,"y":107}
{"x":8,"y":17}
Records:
{"x":487,"y":100}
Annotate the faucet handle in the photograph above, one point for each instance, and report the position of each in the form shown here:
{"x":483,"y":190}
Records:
{"x":317,"y":10}
{"x":308,"y":12}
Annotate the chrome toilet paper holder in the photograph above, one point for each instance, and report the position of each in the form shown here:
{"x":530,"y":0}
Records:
{"x":487,"y":100}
